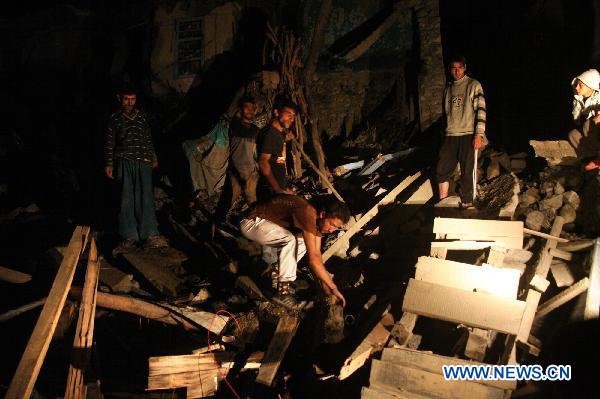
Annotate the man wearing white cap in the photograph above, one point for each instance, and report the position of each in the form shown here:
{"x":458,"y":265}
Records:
{"x":586,"y":114}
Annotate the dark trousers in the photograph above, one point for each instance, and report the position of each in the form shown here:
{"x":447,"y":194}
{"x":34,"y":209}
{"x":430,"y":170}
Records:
{"x":457,"y":149}
{"x":137,"y":217}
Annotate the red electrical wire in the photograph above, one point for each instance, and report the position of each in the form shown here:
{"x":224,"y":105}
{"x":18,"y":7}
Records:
{"x":224,"y":376}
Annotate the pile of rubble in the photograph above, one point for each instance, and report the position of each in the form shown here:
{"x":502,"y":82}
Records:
{"x":555,"y":193}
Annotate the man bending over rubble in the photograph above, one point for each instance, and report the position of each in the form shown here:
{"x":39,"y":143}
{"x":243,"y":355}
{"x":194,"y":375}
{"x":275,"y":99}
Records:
{"x":294,"y":226}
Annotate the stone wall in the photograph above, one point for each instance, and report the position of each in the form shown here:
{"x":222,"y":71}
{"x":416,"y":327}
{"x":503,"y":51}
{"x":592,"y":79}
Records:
{"x":431,"y":75}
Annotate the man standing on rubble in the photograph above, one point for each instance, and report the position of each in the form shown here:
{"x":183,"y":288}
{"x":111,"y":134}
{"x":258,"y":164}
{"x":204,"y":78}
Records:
{"x":464,"y":107}
{"x":129,"y":159}
{"x":242,"y":174}
{"x":585,"y":138}
{"x":272,"y":151}
{"x":294,"y":226}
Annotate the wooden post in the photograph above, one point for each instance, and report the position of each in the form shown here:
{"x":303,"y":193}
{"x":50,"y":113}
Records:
{"x":286,"y":329}
{"x":314,"y":167}
{"x":30,"y":364}
{"x":84,"y":334}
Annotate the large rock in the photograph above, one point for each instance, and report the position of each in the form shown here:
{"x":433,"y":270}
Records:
{"x":555,"y":202}
{"x":559,"y":152}
{"x":558,"y":188}
{"x":568,"y":213}
{"x":571,"y":198}
{"x":535,"y":220}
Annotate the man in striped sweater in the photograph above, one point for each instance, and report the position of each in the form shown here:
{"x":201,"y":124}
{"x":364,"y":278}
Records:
{"x":464,"y":107}
{"x":129,"y":159}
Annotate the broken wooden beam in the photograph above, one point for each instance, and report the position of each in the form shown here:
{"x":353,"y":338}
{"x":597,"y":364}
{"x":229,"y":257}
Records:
{"x":284,"y":333}
{"x":84,"y":332}
{"x":151,"y":311}
{"x":574,"y":246}
{"x":387,"y":199}
{"x":563,"y":297}
{"x":373,"y":342}
{"x":21,"y":309}
{"x":31,"y":361}
{"x":13,"y":276}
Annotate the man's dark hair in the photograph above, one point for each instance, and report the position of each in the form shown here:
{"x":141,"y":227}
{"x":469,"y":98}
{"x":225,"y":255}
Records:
{"x":246,"y":99}
{"x":285,"y":103}
{"x":457,"y":58}
{"x":127,"y":88}
{"x":332,"y":207}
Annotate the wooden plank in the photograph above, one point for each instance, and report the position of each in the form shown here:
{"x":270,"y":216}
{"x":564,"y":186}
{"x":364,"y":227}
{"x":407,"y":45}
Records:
{"x":565,"y":296}
{"x":285,"y":331}
{"x":471,"y":308}
{"x":401,"y":378}
{"x":29,"y":366}
{"x":539,"y":283}
{"x":508,"y":232}
{"x":373,"y":342}
{"x":433,"y":363}
{"x":156,"y":271}
{"x":558,"y":253}
{"x":486,"y":278}
{"x":21,"y":309}
{"x":379,"y":393}
{"x":177,"y":364}
{"x":466,"y":245}
{"x":13,"y":276}
{"x":84,"y":332}
{"x":574,"y":246}
{"x":592,"y":301}
{"x":545,"y":259}
{"x":387,"y":199}
{"x":531,"y":302}
{"x":544,"y":235}
{"x":562,"y":273}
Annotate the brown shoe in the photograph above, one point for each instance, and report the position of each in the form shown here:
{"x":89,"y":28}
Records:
{"x":156,"y":241}
{"x":286,"y":295}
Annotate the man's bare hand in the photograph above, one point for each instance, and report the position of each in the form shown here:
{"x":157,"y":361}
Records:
{"x":338,"y":295}
{"x":477,"y":142}
{"x":108,"y":170}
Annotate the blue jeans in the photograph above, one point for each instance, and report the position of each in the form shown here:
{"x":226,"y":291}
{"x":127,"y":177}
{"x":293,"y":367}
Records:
{"x":137,"y":217}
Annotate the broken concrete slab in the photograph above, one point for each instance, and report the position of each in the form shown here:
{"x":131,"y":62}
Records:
{"x":558,"y":152}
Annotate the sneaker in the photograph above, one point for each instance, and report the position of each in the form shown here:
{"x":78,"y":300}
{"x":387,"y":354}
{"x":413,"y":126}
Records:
{"x":286,"y":295}
{"x":156,"y":241}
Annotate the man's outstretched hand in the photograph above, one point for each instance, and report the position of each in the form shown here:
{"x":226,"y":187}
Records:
{"x":108,"y":169}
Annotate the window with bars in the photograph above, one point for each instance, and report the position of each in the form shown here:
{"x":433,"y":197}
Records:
{"x":189,"y":47}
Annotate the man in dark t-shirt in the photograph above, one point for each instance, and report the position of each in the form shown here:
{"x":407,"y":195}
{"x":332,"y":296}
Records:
{"x":272,"y":151}
{"x":294,"y":226}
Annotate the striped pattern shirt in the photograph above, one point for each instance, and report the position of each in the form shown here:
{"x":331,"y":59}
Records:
{"x":129,"y":137}
{"x":464,"y":105}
